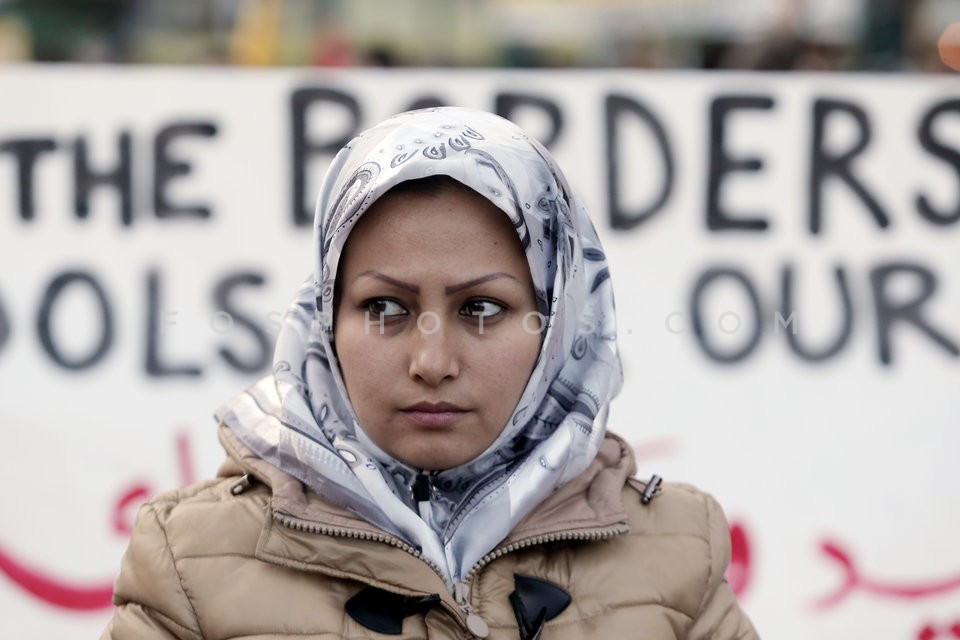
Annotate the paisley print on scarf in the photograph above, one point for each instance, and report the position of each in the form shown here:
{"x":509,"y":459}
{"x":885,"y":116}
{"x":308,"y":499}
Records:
{"x":300,"y":419}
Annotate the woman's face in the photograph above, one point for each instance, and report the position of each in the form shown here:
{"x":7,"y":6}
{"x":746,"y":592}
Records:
{"x":436,"y":327}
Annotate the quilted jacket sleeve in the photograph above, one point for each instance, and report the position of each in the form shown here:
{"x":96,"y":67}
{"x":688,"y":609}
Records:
{"x":719,"y":616}
{"x":150,"y":600}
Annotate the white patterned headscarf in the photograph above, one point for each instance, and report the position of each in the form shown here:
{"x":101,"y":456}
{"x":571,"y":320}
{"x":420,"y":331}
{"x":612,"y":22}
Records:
{"x":300,"y":418}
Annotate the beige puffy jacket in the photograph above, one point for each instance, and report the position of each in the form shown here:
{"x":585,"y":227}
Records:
{"x":253,"y":554}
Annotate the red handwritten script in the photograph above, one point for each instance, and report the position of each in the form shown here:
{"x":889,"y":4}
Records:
{"x":54,"y":591}
{"x":86,"y":597}
{"x":932,"y":632}
{"x":855,"y":580}
{"x":740,"y":571}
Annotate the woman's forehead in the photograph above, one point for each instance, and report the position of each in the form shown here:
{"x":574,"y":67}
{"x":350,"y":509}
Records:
{"x":454,"y":223}
{"x":475,"y":151}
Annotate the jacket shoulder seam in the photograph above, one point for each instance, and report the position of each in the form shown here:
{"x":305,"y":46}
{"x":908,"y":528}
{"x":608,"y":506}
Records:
{"x":201,"y":492}
{"x":694,"y":499}
{"x":706,"y":586}
{"x":228,"y":554}
{"x":167,"y":620}
{"x":638,"y":485}
{"x":173,"y":561}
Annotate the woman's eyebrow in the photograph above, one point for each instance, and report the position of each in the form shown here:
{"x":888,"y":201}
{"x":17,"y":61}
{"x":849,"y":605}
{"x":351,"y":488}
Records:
{"x":454,"y":288}
{"x":470,"y":283}
{"x":412,"y":288}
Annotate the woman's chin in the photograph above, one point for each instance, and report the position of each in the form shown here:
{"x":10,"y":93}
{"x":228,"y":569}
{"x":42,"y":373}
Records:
{"x":431,"y":458}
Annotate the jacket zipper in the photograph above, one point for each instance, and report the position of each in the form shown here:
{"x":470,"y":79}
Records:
{"x":461,"y":591}
{"x":475,"y":624}
{"x":585,"y":535}
{"x":307,"y":526}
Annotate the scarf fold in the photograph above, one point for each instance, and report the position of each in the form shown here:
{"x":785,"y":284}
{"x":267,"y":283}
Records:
{"x":300,"y":418}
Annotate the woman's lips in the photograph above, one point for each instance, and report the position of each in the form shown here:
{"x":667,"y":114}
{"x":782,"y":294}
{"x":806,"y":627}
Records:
{"x":434,"y":414}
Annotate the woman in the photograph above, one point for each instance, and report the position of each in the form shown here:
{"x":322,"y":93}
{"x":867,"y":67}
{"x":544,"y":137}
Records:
{"x":429,"y":458}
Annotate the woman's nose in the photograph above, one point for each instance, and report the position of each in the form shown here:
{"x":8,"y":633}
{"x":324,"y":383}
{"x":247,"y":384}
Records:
{"x":433,"y":358}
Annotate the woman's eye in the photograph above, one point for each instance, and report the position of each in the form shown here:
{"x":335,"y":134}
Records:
{"x":382,"y":307}
{"x":481,"y":309}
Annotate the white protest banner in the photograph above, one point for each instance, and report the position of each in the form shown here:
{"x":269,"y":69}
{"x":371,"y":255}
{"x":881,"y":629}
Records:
{"x":784,"y":251}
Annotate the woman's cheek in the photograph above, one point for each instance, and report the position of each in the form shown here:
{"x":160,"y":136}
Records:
{"x":517,"y":356}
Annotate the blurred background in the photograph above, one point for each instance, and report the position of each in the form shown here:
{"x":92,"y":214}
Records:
{"x":768,"y":35}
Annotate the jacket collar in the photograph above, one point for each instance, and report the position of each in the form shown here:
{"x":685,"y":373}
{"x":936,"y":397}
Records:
{"x":590,"y":504}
